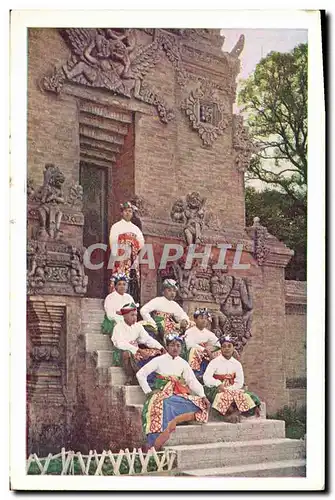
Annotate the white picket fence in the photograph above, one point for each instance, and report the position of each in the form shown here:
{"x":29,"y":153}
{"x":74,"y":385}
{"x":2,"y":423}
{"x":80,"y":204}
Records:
{"x":164,"y":461}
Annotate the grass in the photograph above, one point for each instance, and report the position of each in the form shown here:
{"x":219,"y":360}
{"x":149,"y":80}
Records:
{"x":295,"y":420}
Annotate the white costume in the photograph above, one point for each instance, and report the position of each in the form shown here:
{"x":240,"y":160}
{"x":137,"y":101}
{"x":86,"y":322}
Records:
{"x":168,"y":366}
{"x":114,"y":302}
{"x":164,"y":305}
{"x":194,"y":337}
{"x":127,"y":337}
{"x":223,"y":366}
{"x":122,"y":227}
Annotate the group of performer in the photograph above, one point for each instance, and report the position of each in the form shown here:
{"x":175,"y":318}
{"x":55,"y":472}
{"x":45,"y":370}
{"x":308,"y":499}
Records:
{"x":182,"y":367}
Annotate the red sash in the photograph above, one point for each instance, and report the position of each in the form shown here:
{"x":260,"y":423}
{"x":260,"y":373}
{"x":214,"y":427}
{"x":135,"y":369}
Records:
{"x":178,"y":387}
{"x":230,"y":377}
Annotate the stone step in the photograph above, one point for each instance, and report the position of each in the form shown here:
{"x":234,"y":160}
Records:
{"x":87,"y":314}
{"x":92,"y":327}
{"x":97,"y":342}
{"x":93,"y":303}
{"x":134,"y":395}
{"x":117,"y":376}
{"x":210,"y":455}
{"x":104,"y":358}
{"x":215,"y":432}
{"x":282,"y":468}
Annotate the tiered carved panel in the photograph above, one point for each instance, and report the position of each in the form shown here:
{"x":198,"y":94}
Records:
{"x":47,"y":367}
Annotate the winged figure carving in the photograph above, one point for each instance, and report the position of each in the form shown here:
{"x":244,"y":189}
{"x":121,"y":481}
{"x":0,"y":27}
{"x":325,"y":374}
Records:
{"x":111,"y":58}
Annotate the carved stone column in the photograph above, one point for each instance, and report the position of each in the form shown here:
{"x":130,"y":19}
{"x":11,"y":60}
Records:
{"x":47,"y":371}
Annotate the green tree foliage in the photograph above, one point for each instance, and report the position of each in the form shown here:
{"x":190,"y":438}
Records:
{"x":284,"y":219}
{"x":274,"y":99}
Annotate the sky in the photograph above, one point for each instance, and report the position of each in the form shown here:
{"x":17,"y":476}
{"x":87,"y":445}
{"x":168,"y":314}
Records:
{"x":258,"y":43}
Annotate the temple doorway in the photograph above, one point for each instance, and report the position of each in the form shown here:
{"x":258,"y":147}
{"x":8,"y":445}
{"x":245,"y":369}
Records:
{"x":94,"y":180}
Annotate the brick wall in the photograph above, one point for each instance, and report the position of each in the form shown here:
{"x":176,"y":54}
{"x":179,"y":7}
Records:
{"x":53,"y":126}
{"x":295,"y":341}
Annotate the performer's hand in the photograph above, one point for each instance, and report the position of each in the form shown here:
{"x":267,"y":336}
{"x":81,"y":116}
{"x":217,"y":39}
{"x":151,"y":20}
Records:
{"x":183,"y":323}
{"x":221,"y":388}
{"x":209,"y":353}
{"x":206,"y":402}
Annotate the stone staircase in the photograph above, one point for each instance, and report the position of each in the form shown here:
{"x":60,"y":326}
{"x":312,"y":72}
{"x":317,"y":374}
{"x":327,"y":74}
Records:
{"x":256,"y":447}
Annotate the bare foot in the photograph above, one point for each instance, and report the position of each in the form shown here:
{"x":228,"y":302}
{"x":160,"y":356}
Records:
{"x":233,"y":417}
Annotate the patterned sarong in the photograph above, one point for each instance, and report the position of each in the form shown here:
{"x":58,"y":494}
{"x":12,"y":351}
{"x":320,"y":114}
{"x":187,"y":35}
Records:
{"x":170,"y":404}
{"x":137,"y":360}
{"x":222,"y":401}
{"x":199,"y":359}
{"x":124,"y":266}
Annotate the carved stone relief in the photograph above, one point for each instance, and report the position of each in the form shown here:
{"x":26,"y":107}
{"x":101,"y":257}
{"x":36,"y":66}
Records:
{"x":47,"y":370}
{"x":50,"y":198}
{"x":53,"y":266}
{"x":52,"y":270}
{"x":242,"y":144}
{"x":191,"y":213}
{"x":208,"y":115}
{"x":233,"y":296}
{"x":260,"y":235}
{"x":111,"y":58}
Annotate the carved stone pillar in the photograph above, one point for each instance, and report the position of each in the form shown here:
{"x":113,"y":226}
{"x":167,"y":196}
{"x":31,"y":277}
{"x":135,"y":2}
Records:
{"x":47,"y":370}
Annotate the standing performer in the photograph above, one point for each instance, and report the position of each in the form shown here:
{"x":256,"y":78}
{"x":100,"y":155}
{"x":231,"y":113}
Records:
{"x":177,"y":395}
{"x":114,"y":302}
{"x":126,"y":237}
{"x":224,"y":380}
{"x":202,"y":345}
{"x":164,"y":313}
{"x":133,"y":345}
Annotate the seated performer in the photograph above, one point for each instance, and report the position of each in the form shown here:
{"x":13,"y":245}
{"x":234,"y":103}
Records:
{"x":166,"y":312}
{"x":114,"y":302}
{"x":134,"y":346}
{"x":202,"y":345}
{"x":127,"y":234}
{"x":224,"y":381}
{"x":171,"y":402}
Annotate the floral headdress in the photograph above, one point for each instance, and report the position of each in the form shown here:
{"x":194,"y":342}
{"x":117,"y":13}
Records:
{"x":202,"y":312}
{"x":169,"y":283}
{"x":125,"y":205}
{"x":227,"y":338}
{"x":119,"y":277}
{"x":170,"y":337}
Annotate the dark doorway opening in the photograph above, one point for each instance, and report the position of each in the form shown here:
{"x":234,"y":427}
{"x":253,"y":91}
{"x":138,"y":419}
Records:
{"x":94,"y":180}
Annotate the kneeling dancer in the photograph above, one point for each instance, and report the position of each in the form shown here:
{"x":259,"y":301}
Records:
{"x":134,"y":346}
{"x":163,"y":313}
{"x":171,"y":402}
{"x":202,"y":345}
{"x":114,"y":302}
{"x":224,"y":379}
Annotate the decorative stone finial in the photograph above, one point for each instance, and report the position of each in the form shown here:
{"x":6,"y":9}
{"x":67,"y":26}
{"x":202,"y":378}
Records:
{"x":256,"y":221}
